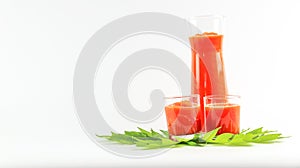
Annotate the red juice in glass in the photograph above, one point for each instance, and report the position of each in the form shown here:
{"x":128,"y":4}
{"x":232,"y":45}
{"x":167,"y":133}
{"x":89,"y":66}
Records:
{"x":224,"y":112}
{"x":182,"y":116}
{"x":225,"y":116}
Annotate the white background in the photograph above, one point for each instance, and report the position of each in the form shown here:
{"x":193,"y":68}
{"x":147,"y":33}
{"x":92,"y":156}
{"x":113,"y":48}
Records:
{"x":40,"y":42}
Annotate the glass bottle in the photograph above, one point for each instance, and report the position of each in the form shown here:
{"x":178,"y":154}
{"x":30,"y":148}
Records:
{"x":208,"y":73}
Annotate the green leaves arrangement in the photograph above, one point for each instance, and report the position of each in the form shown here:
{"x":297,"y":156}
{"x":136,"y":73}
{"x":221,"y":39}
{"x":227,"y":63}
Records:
{"x":154,"y":140}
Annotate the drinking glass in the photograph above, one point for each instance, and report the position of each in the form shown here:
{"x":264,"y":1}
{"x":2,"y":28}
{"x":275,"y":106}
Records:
{"x":222,"y":111}
{"x":183,"y":115}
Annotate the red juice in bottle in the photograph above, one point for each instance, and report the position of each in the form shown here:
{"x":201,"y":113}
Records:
{"x":208,"y":75}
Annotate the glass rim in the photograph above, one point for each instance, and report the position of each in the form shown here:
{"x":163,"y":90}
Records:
{"x":206,"y":22}
{"x":222,"y":96}
{"x":185,"y":96}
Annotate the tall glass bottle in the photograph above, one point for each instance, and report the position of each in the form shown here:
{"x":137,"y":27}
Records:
{"x":208,"y":73}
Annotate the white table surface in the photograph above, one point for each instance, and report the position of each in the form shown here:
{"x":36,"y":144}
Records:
{"x":82,"y":152}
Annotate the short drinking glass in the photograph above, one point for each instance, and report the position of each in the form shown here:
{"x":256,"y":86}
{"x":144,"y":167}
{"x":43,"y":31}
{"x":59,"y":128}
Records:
{"x":182,"y":115}
{"x":222,"y":111}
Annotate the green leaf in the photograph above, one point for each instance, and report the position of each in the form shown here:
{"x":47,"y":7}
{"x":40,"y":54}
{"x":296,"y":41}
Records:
{"x":210,"y":135}
{"x":268,"y":137}
{"x":256,"y":131}
{"x":223,"y":138}
{"x":155,"y":140}
{"x":155,"y":146}
{"x":146,"y":133}
{"x":168,"y":142}
{"x":165,"y":133}
{"x":143,"y":143}
{"x":148,"y":138}
{"x":244,"y":130}
{"x":135,"y":134}
{"x":156,"y":134}
{"x":250,"y":137}
{"x":192,"y":143}
{"x":196,"y":137}
{"x":121,"y":138}
{"x":164,"y":143}
{"x":182,"y":139}
{"x":237,"y":139}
